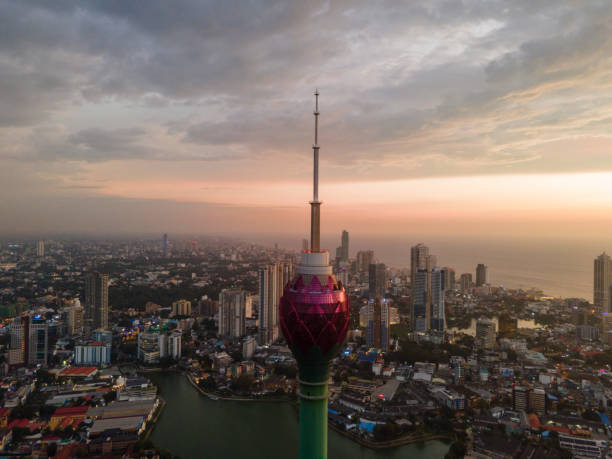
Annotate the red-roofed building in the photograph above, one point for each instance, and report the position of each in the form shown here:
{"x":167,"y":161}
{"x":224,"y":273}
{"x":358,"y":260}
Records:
{"x":50,"y":439}
{"x":26,"y":424}
{"x":78,"y":372}
{"x":535,"y":424}
{"x":64,"y":417}
{"x":534,"y":421}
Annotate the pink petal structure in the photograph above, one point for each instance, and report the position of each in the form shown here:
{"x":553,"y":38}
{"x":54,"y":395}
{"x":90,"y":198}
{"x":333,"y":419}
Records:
{"x":317,"y":315}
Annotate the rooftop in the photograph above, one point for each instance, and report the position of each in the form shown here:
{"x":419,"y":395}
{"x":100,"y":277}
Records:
{"x":78,"y":371}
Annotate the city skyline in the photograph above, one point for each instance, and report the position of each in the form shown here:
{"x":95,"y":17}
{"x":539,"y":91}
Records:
{"x":164,"y":290}
{"x":170,"y":115}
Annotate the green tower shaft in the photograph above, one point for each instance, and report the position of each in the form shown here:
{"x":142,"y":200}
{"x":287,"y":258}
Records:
{"x":313,"y":394}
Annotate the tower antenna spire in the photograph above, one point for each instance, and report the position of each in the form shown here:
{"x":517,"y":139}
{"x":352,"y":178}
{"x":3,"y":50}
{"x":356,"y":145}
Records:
{"x":314,"y":316}
{"x":315,"y":204}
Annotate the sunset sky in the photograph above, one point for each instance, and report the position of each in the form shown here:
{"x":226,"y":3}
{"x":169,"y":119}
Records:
{"x":437,"y":117}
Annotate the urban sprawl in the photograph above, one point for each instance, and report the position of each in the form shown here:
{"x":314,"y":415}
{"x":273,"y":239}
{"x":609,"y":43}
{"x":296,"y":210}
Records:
{"x":431,"y":354}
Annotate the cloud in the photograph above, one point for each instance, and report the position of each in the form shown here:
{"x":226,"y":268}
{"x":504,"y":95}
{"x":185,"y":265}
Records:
{"x":222,"y":90}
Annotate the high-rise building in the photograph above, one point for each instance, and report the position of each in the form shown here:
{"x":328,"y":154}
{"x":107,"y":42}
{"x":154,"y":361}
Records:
{"x":602,"y":281}
{"x":342,"y":275}
{"x":466,"y":282}
{"x":377,"y":280}
{"x":248,"y":347}
{"x":156,"y":344}
{"x":363,"y":315}
{"x":373,"y":332}
{"x":520,"y":399}
{"x":175,"y":345}
{"x":29,"y":340}
{"x":379,"y":320}
{"x":537,"y":401}
{"x":181,"y":308}
{"x":92,"y":353}
{"x":422,"y":266}
{"x":104,"y":336}
{"x":419,"y":301}
{"x":482,"y":275}
{"x":272,"y":281}
{"x":268,"y":299}
{"x":39,"y":341}
{"x":428,"y":301}
{"x":74,"y":319}
{"x":364,"y":259}
{"x":207,"y":307}
{"x":507,"y":325}
{"x":485,"y":334}
{"x":587,"y":332}
{"x":251,"y":303}
{"x":436,"y":298}
{"x":344,"y":248}
{"x":165,"y":244}
{"x":96,"y":299}
{"x":232,"y":308}
{"x":418,"y":259}
{"x":40,"y":249}
{"x":304,"y":244}
{"x":148,"y":347}
{"x":20,"y":340}
{"x":449,"y":278}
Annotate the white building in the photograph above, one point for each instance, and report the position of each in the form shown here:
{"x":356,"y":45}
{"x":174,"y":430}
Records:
{"x":174,"y":345}
{"x":74,"y":318}
{"x":153,"y":346}
{"x":93,"y":353}
{"x":148,"y":347}
{"x":248,"y":347}
{"x":272,"y":281}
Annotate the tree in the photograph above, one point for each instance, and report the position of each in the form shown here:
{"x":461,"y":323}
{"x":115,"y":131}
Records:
{"x":289,"y":371}
{"x":242,"y":383}
{"x":387,"y":431}
{"x":68,"y":432}
{"x":19,"y":433}
{"x":591,"y":415}
{"x":44,"y":377}
{"x":109,"y":396}
{"x":23,"y":412}
{"x":364,"y":370}
{"x":340,"y":376}
{"x":208,"y":384}
{"x":81,"y":452}
{"x":457,"y":450}
{"x":51,"y":449}
{"x":143,"y":445}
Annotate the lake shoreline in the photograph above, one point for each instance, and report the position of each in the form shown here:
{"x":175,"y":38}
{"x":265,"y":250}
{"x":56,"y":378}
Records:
{"x":215,"y":397}
{"x":192,"y":423}
{"x":361,"y":441}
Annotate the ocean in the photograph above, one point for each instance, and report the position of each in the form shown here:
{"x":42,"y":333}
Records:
{"x":559,"y":267}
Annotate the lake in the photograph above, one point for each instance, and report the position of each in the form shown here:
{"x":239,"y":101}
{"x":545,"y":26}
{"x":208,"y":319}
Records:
{"x":193,"y":426}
